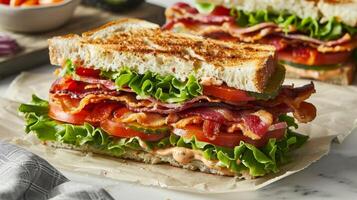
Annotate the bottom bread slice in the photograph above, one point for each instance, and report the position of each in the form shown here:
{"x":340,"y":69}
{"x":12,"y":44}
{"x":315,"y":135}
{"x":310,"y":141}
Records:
{"x":152,"y":158}
{"x":340,"y":76}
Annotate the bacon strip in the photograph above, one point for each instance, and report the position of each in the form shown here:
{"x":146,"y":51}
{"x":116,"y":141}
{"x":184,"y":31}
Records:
{"x":107,"y":83}
{"x":254,"y":119}
{"x":289,"y":99}
{"x":257,"y":124}
{"x":253,"y":124}
{"x":211,"y":129}
{"x":345,"y":38}
{"x":185,"y":11}
{"x":210,"y":113}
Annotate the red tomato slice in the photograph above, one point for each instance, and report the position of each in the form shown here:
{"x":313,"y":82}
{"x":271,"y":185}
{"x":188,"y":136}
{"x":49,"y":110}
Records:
{"x":231,"y":139}
{"x":69,"y":84}
{"x":221,"y":11}
{"x":119,"y":130}
{"x":227,"y":93}
{"x":100,"y":114}
{"x":92,"y":113}
{"x":81,"y":71}
{"x":56,"y":112}
{"x":310,"y":56}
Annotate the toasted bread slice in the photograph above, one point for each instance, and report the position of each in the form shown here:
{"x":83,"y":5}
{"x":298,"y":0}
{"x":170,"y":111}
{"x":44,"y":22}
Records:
{"x":152,"y":158}
{"x":142,"y":46}
{"x":344,"y":10}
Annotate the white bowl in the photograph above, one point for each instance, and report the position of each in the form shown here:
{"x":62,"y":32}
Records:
{"x":36,"y":18}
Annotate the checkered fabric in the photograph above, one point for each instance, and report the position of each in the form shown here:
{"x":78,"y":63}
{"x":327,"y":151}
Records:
{"x":24,"y":175}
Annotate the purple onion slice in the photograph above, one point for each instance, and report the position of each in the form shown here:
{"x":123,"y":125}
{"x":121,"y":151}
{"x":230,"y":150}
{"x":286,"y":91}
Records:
{"x":8,"y":45}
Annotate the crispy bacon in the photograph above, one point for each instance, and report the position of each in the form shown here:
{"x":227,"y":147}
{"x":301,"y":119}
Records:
{"x":81,"y":95}
{"x":253,"y":124}
{"x":101,"y":111}
{"x":294,"y":98}
{"x":187,"y":105}
{"x":185,"y":8}
{"x":80,"y":89}
{"x":182,"y":123}
{"x":106,"y":83}
{"x":250,"y":34}
{"x":211,"y":129}
{"x":186,"y":12}
{"x":289,"y":99}
{"x":256,"y":125}
{"x":278,"y":42}
{"x":146,"y":119}
{"x":217,"y":114}
{"x":253,"y":118}
{"x":237,"y":31}
{"x":344,"y":39}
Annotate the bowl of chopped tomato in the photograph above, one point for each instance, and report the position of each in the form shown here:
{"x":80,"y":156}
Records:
{"x":35,"y":15}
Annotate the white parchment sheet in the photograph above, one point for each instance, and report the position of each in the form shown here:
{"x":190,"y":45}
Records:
{"x":337,"y":114}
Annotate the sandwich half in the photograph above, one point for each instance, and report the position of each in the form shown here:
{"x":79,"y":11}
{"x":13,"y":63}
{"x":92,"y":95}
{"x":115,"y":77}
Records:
{"x":132,"y":91}
{"x":314,"y":39}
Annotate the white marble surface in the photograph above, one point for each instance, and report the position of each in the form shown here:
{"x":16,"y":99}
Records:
{"x":332,"y":177}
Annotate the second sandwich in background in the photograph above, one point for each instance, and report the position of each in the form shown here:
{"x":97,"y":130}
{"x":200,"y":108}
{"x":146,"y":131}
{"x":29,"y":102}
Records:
{"x":314,"y":39}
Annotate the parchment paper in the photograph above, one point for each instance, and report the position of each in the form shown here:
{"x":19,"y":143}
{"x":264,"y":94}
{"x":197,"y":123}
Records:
{"x":337,"y":114}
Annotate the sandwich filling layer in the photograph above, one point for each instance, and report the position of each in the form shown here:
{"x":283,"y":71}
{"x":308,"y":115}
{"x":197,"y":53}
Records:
{"x":303,"y":42}
{"x":227,"y":129}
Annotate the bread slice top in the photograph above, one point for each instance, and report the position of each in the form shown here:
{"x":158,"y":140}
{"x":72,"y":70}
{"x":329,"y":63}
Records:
{"x":142,"y":46}
{"x":344,"y":10}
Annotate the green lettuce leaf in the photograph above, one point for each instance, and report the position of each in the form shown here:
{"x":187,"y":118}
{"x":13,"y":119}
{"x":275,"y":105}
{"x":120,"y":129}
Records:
{"x":330,"y":30}
{"x":37,"y":106}
{"x":68,"y":69}
{"x":290,"y":121}
{"x":244,"y":157}
{"x":205,"y":7}
{"x":165,"y":88}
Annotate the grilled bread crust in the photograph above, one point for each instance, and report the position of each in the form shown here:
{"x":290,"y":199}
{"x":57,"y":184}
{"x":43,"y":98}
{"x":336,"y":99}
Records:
{"x":143,"y":46}
{"x":344,"y":10}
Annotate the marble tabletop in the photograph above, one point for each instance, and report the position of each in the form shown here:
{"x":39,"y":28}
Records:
{"x":332,"y":177}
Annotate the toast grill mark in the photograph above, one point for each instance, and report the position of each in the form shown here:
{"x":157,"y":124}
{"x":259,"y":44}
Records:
{"x":172,"y":45}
